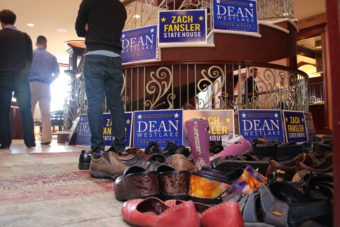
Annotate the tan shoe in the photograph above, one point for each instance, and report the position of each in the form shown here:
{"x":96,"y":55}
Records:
{"x":181,"y":162}
{"x":107,"y":166}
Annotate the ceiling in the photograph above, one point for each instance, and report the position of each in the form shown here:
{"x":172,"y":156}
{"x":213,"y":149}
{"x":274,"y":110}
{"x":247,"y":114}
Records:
{"x":55,"y":19}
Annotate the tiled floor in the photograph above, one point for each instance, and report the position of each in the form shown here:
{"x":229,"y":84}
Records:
{"x":18,"y":147}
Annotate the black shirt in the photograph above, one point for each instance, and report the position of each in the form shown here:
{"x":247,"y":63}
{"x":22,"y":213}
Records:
{"x":105,"y":19}
{"x":15,"y":52}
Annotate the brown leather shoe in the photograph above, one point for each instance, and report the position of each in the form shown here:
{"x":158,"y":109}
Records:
{"x":136,"y":183}
{"x":173,"y":183}
{"x":180,"y":162}
{"x":325,"y":165}
{"x":135,"y":158}
{"x":106,"y":166}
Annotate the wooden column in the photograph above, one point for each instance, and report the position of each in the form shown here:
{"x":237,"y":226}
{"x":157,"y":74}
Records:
{"x":333,"y":19}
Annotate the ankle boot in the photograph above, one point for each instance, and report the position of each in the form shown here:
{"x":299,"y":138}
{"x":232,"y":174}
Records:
{"x":84,"y":160}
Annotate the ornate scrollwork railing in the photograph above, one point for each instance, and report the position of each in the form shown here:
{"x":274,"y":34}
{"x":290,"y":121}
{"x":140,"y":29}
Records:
{"x":211,"y":86}
{"x":205,"y":86}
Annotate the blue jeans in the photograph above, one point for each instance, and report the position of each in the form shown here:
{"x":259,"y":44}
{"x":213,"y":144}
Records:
{"x":103,"y":76}
{"x":19,"y":85}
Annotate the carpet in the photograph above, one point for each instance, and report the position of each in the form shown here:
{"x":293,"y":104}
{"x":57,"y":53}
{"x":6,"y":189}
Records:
{"x":47,"y":189}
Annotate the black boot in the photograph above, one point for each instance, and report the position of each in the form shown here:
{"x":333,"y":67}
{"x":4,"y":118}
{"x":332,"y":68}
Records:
{"x":84,"y":160}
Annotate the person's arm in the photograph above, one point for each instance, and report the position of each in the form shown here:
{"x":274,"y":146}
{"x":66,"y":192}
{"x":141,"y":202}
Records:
{"x":29,"y":53}
{"x":82,"y":18}
{"x":56,"y":69}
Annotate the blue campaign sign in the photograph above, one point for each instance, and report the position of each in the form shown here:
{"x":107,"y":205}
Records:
{"x":84,"y":134}
{"x":295,"y":126}
{"x":309,"y":124}
{"x":257,"y":123}
{"x":139,"y":44}
{"x":237,"y":15}
{"x":159,"y":126}
{"x":177,"y":26}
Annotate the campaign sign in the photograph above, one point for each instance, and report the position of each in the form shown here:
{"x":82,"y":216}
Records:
{"x":139,"y":44}
{"x":159,"y":126}
{"x":257,"y":123}
{"x":221,"y":123}
{"x":176,"y":26}
{"x":295,"y":126}
{"x":238,"y":15}
{"x":84,"y":134}
{"x":309,"y":124}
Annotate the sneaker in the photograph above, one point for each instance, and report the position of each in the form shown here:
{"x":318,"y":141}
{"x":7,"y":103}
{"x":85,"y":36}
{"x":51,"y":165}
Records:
{"x":106,"y":165}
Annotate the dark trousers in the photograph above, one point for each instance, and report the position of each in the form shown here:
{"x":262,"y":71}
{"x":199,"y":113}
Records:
{"x":20,"y":86}
{"x":103,"y":76}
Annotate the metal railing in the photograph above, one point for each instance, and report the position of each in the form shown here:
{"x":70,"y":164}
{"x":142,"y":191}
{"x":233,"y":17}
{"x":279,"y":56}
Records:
{"x":214,"y":86}
{"x":208,"y":85}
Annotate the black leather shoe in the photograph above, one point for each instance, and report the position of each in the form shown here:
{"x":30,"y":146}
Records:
{"x":118,"y":152}
{"x":288,"y":151}
{"x":84,"y":160}
{"x":31,"y":145}
{"x":265,"y":150}
{"x":170,"y":149}
{"x":4,"y":147}
{"x":215,"y":147}
{"x":183,"y":150}
{"x":152,"y":148}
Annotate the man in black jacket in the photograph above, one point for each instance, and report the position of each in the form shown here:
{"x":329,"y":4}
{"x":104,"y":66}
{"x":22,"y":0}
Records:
{"x":15,"y":59}
{"x":101,"y":23}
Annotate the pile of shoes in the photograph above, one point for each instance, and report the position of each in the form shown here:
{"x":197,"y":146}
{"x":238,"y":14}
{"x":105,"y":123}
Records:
{"x":255,"y":183}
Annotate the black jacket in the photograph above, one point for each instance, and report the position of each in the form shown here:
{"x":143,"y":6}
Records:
{"x":106,"y":19}
{"x":15,"y":52}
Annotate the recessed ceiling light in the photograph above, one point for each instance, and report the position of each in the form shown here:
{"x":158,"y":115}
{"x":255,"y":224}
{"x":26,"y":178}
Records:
{"x":136,"y":16}
{"x":61,"y":30}
{"x":30,"y":25}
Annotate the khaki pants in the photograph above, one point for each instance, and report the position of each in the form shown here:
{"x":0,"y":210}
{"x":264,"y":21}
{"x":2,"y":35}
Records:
{"x":40,"y":92}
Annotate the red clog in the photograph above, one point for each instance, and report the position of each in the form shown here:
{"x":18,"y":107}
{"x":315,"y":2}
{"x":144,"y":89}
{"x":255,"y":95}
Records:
{"x":226,"y":214}
{"x":153,"y":212}
{"x":143,"y":212}
{"x":184,"y":214}
{"x":200,"y":207}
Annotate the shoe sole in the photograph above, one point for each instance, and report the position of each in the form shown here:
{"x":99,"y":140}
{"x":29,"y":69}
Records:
{"x":84,"y":166}
{"x":102,"y":175}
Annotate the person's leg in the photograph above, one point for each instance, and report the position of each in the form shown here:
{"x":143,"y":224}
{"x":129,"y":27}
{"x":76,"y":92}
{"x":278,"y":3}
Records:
{"x":94,"y":88}
{"x":113,"y":86}
{"x":22,"y":93}
{"x":34,"y":95}
{"x":44,"y":105}
{"x":5,"y":105}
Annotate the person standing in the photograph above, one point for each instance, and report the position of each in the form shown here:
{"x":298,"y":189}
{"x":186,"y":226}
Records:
{"x":101,"y":23}
{"x":44,"y":70}
{"x":15,"y":60}
{"x":250,"y":88}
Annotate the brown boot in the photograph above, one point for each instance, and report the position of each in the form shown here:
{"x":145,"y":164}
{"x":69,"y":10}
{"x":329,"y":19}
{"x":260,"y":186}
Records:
{"x":106,"y":166}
